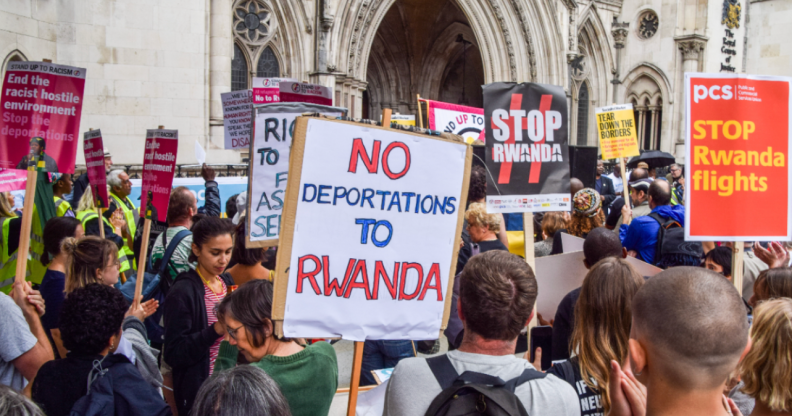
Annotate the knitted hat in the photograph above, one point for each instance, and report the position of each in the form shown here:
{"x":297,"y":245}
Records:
{"x":587,"y":202}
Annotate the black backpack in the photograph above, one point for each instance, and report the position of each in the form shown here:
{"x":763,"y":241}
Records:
{"x":475,"y":393}
{"x":672,"y":249}
{"x":159,"y":285}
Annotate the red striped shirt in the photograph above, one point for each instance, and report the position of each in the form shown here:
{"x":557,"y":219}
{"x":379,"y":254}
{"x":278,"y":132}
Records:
{"x":211,"y":300}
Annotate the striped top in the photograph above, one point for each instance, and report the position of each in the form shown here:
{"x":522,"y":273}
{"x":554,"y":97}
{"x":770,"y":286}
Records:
{"x":211,"y":300}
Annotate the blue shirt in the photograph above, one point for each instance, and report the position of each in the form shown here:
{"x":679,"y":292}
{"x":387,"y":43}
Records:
{"x":641,"y":234}
{"x":52,"y":286}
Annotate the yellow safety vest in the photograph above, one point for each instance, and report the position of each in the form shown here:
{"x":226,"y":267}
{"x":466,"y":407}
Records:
{"x":62,"y":207}
{"x":34,"y":271}
{"x":129,"y":215}
{"x":84,"y":217}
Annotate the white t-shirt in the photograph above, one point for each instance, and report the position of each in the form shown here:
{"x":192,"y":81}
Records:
{"x":413,"y":386}
{"x":618,"y":184}
{"x":15,"y":340}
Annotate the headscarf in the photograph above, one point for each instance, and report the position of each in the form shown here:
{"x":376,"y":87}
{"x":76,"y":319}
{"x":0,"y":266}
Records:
{"x":587,"y":202}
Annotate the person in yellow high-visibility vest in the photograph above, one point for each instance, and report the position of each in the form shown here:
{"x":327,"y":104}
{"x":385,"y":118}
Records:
{"x":10,"y":228}
{"x":120,"y":188}
{"x":62,"y":185}
{"x":117,"y":233}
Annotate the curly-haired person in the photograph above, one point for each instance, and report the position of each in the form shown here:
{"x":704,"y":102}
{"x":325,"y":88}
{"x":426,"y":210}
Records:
{"x":90,"y":325}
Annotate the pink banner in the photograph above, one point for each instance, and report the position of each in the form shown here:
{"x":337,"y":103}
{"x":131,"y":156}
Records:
{"x":266,"y":90}
{"x":298,"y":92}
{"x":467,"y":122}
{"x":12,"y":180}
{"x":41,"y":101}
{"x":159,"y":164}
{"x":94,"y":164}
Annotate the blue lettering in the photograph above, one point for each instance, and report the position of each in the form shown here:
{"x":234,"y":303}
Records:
{"x":263,"y":201}
{"x":423,"y":204}
{"x":278,"y":179}
{"x":305,"y":192}
{"x":384,"y":194}
{"x":437,"y":204}
{"x":356,"y":199}
{"x":280,"y":201}
{"x":336,"y":195}
{"x":365,"y":222}
{"x":260,"y":225}
{"x":323,"y":188}
{"x":385,"y":224}
{"x":395,"y":201}
{"x":367,"y":197}
{"x":271,"y":226}
{"x":417,"y":200}
{"x":451,"y":208}
{"x":408,"y":195}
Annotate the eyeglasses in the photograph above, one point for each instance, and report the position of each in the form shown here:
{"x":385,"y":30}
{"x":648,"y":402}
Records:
{"x":232,"y":331}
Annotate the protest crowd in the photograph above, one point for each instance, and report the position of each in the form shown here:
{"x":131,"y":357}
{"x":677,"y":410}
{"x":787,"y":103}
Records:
{"x":162,"y":307}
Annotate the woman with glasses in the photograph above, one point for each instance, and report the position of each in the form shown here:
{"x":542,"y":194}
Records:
{"x":307,"y":375}
{"x":192,"y":330}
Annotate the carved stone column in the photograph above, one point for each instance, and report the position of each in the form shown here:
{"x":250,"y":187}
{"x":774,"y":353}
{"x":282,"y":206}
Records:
{"x":691,"y":48}
{"x":619,"y":32}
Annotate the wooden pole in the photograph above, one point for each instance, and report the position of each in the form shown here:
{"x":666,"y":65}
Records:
{"x":420,"y":112}
{"x":27,"y":221}
{"x":737,"y":265}
{"x":386,"y":117}
{"x":528,"y":229}
{"x":101,"y":222}
{"x":624,"y":186}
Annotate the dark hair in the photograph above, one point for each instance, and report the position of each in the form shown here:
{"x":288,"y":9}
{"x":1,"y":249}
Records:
{"x":179,"y":204}
{"x":236,"y":391}
{"x":251,"y":305}
{"x":207,"y":228}
{"x":601,"y":243}
{"x":478,"y":184}
{"x":89,"y":316}
{"x":660,"y":192}
{"x":57,"y":229}
{"x":497,"y":291}
{"x":773,"y":283}
{"x":722,"y":256}
{"x":231,"y":207}
{"x":242,"y":255}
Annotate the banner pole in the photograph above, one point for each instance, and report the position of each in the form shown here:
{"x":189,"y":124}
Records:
{"x":420,"y":112}
{"x":737,"y":265}
{"x":357,"y":360}
{"x":624,"y":185}
{"x":528,"y":230}
{"x":27,"y":221}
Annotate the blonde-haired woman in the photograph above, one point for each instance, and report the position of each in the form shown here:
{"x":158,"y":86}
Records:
{"x":483,"y":229}
{"x":767,"y":368}
{"x":115,"y":227}
{"x":603,"y":316}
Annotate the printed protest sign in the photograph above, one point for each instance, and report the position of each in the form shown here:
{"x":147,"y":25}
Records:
{"x":95,"y":167}
{"x":403,"y":119}
{"x":371,"y":231}
{"x":159,"y":164}
{"x":467,"y":122}
{"x":737,"y":151}
{"x":12,"y":180}
{"x":298,"y":92}
{"x":527,"y":147}
{"x":237,"y":108}
{"x":617,"y":131}
{"x":273,"y":126}
{"x":267,"y":91}
{"x":41,"y":104}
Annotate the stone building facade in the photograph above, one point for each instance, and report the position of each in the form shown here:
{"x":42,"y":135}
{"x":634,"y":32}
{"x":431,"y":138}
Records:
{"x":166,"y":62}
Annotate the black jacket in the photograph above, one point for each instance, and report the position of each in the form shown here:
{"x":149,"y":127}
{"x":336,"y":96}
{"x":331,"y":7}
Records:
{"x":188,"y":337}
{"x":80,"y":184}
{"x":607,"y":192}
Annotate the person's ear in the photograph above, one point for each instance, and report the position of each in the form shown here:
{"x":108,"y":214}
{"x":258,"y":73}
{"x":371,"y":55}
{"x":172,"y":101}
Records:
{"x":624,"y":253}
{"x":747,"y":349}
{"x":530,"y":317}
{"x":196,"y":250}
{"x":459,"y":310}
{"x":637,"y":356}
{"x":586,"y":263}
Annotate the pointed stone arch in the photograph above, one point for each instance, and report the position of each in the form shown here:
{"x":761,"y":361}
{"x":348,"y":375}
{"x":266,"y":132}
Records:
{"x":647,"y":86}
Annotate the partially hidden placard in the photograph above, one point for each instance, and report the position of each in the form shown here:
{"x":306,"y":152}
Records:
{"x":371,"y":230}
{"x":93,"y":147}
{"x":159,"y":164}
{"x":237,"y":110}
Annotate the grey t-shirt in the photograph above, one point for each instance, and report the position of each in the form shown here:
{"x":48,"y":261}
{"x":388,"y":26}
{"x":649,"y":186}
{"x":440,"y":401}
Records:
{"x":413,"y":386}
{"x":15,"y":340}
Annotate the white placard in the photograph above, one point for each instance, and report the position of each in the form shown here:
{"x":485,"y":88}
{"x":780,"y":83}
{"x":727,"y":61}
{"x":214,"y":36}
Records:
{"x":571,"y":243}
{"x":237,"y":107}
{"x":269,"y":166}
{"x":359,"y":219}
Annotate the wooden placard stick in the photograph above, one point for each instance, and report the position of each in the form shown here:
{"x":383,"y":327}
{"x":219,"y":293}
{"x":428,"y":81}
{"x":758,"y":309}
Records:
{"x":420,"y":112}
{"x":357,"y":360}
{"x":528,"y":229}
{"x":737,"y":265}
{"x":27,"y":220}
{"x":141,"y":272}
{"x":624,"y":186}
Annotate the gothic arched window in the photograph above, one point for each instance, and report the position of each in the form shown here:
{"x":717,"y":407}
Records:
{"x":239,"y":70}
{"x":268,"y":66}
{"x":582,"y":115}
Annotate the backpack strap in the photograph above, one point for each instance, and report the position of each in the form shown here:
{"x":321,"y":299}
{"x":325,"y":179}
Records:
{"x":443,"y":370}
{"x":567,"y":370}
{"x":171,"y":248}
{"x":663,"y":222}
{"x":527,"y":375}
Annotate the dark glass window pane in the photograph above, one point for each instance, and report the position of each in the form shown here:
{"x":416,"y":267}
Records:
{"x":239,"y":71}
{"x":582,"y":115}
{"x":268,"y":66}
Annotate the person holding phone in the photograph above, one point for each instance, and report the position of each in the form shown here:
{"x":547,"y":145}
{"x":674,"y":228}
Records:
{"x":603,"y":317}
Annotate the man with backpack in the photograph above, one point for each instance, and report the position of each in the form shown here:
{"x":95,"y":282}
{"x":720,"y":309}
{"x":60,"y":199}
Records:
{"x":641,"y":237}
{"x":497,"y":294}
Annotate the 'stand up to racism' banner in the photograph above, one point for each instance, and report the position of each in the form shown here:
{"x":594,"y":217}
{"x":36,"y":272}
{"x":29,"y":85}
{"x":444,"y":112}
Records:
{"x":467,"y":122}
{"x":41,"y":107}
{"x":298,"y":92}
{"x":236,"y":118}
{"x":737,"y":153}
{"x":94,"y":165}
{"x":527,"y":148}
{"x":371,"y":231}
{"x":273,"y":126}
{"x":267,"y":90}
{"x":159,"y":163}
{"x":617,"y":132}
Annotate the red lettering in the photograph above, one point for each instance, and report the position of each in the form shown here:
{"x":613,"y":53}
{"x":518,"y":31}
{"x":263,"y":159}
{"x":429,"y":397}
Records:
{"x":386,"y":164}
{"x":405,"y":267}
{"x":434,"y":271}
{"x":379,"y":271}
{"x":332,"y":285}
{"x":360,"y":269}
{"x":301,"y":274}
{"x":359,"y":150}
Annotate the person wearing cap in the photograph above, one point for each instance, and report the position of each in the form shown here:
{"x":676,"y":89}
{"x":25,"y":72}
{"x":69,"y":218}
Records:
{"x":638,"y":187}
{"x":82,"y":183}
{"x":37,"y":147}
{"x":640,"y":237}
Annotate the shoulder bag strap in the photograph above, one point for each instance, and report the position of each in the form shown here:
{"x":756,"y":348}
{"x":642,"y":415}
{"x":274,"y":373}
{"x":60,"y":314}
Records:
{"x":171,"y":248}
{"x":527,"y":375}
{"x":443,"y":370}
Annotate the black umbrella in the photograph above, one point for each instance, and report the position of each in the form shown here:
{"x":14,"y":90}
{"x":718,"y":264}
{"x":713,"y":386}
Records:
{"x":653,"y":158}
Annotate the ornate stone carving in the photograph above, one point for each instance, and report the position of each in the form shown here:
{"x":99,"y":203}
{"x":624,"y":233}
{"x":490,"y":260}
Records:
{"x":619,"y":37}
{"x":579,"y":67}
{"x":254,"y":22}
{"x":507,"y":38}
{"x":527,"y":36}
{"x":648,"y":24}
{"x":691,"y":49}
{"x":731,"y":14}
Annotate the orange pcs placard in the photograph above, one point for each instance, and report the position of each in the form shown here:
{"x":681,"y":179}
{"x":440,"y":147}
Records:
{"x":737,"y":145}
